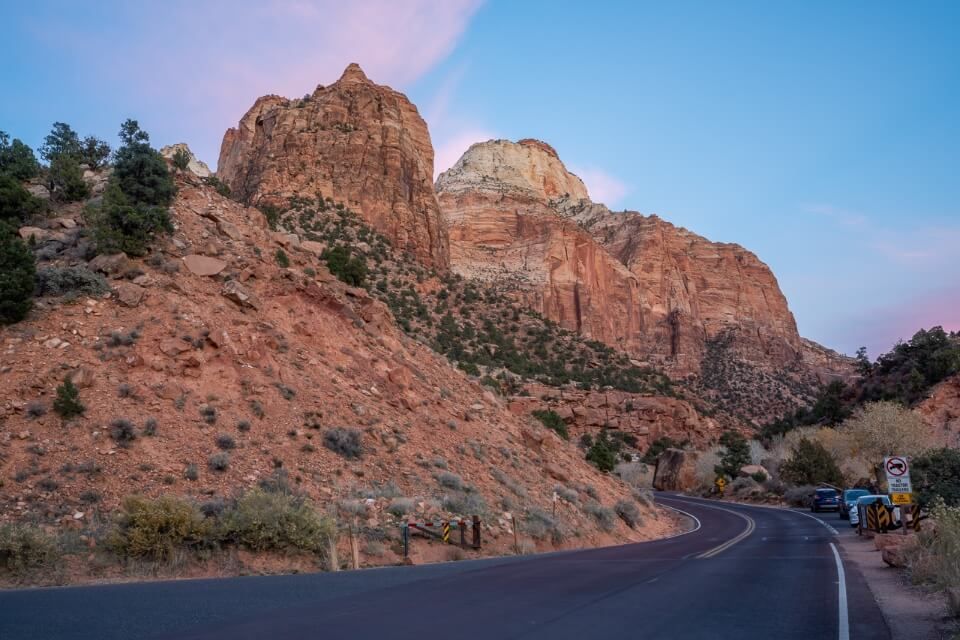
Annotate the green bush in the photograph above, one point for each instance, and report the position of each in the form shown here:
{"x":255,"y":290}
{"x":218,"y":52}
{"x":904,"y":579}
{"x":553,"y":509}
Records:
{"x":17,"y":159}
{"x":122,"y":225}
{"x":809,"y":464}
{"x":222,"y":187}
{"x":67,"y":403}
{"x":552,"y":420}
{"x":541,"y":525}
{"x":123,"y":432}
{"x":17,"y":273}
{"x":26,"y":550}
{"x":282,"y":260}
{"x":936,"y":474}
{"x":16,"y":203}
{"x":70,"y":282}
{"x":61,"y":141}
{"x":602,"y":453}
{"x":158,"y":528}
{"x":344,"y":266}
{"x":604,"y":516}
{"x":66,"y":179}
{"x":94,"y":152}
{"x":657,"y":447}
{"x":181,"y":159}
{"x":140,"y":171}
{"x":265,"y":521}
{"x":735,"y":455}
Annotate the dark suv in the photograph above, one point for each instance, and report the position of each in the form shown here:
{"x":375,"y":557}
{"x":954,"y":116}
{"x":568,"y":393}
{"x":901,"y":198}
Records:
{"x":825,"y":500}
{"x":849,"y":501}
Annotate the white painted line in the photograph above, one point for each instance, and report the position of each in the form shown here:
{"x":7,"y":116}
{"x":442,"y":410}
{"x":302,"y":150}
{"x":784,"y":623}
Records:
{"x":766,"y":506}
{"x":696,"y":522}
{"x":843,"y":622}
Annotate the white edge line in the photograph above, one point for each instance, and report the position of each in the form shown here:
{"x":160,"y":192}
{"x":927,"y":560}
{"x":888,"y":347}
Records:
{"x":766,"y":506}
{"x":843,"y":621}
{"x":682,"y":533}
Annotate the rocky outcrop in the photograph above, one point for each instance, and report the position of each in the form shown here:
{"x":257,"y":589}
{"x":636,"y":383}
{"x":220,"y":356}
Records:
{"x":645,"y":417}
{"x":941,"y":410}
{"x":194,"y":165}
{"x":356,"y":142}
{"x":637,"y":282}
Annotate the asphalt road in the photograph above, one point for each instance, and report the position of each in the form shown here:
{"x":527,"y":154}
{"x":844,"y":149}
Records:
{"x":745,"y":572}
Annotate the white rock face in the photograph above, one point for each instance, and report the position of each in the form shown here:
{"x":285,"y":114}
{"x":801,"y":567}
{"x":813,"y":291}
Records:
{"x":198,"y":168}
{"x":529,"y":166}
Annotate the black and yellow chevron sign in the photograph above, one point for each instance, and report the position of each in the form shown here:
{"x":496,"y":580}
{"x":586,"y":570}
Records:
{"x":446,"y":532}
{"x":884,"y":517}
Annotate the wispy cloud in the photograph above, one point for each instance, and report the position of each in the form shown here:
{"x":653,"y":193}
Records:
{"x":212,"y":59}
{"x":602,"y":186}
{"x":843,"y":216}
{"x":449,"y":149}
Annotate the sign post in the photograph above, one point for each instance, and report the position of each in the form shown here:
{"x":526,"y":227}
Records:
{"x":898,"y":483}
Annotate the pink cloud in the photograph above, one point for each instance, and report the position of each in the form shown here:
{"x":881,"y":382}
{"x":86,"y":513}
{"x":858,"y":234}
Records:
{"x":602,"y":186}
{"x":880,"y":328}
{"x":206,"y":62}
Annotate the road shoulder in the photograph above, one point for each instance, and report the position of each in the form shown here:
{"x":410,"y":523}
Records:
{"x":912,"y":612}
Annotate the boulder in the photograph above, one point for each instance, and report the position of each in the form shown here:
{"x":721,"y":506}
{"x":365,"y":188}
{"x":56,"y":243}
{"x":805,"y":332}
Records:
{"x":111,"y":264}
{"x":39,"y":191}
{"x":204,"y":265}
{"x":194,"y":166}
{"x":753,"y":469}
{"x":129,"y":294}
{"x":675,"y":471}
{"x":312,"y":246}
{"x":233,"y":290}
{"x":38,"y":234}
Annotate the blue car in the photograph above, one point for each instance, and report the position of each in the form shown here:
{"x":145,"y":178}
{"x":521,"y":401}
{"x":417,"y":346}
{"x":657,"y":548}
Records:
{"x":825,"y":500}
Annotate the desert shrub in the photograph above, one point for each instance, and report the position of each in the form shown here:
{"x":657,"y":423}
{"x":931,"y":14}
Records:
{"x":35,"y":409}
{"x":400,"y":507}
{"x":552,"y":420}
{"x":936,"y":560}
{"x":514,"y":486}
{"x":257,"y":408}
{"x":281,"y":257}
{"x":27,"y":550}
{"x":465,"y":503}
{"x":48,"y":484}
{"x":288,"y":393}
{"x":450,"y":480}
{"x":67,"y":403}
{"x":541,"y":525}
{"x":150,"y":427}
{"x":567,"y":494}
{"x":811,"y":463}
{"x":16,"y":203}
{"x":121,"y":224}
{"x":219,"y":461}
{"x":887,"y":428}
{"x":643,"y":497}
{"x":936,"y":474}
{"x":734,"y":455}
{"x":125,"y":390}
{"x":191,"y":472}
{"x":270,"y":521}
{"x":158,"y":528}
{"x":344,"y":441}
{"x":181,"y":159}
{"x":90,"y":496}
{"x":744,"y":486}
{"x":226,"y":442}
{"x":801,"y":496}
{"x":70,"y":282}
{"x":628,"y":512}
{"x":17,"y":159}
{"x":17,"y":271}
{"x":759,"y":477}
{"x":635,"y":474}
{"x":604,"y":516}
{"x":122,"y":432}
{"x":208,"y":413}
{"x":222,"y":187}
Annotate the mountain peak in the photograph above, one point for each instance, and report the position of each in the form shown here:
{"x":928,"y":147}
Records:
{"x":353,"y":73}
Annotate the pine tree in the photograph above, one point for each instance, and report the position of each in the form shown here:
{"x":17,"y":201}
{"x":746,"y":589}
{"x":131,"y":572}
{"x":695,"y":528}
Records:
{"x":67,"y":403}
{"x":17,"y":273}
{"x":736,"y":454}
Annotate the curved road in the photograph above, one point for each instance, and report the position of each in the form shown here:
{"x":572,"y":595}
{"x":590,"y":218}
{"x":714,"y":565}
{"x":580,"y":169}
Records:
{"x":744,"y":572}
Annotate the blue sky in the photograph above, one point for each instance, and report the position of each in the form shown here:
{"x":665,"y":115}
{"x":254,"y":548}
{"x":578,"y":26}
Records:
{"x":823,"y":136}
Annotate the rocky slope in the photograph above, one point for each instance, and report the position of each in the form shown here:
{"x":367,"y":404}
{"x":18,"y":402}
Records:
{"x":941,"y":410}
{"x":210,"y":344}
{"x":362,"y":144}
{"x":519,"y":218}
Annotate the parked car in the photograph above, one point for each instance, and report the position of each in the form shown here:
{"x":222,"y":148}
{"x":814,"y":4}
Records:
{"x":849,"y":501}
{"x":825,"y":500}
{"x":863,"y":501}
